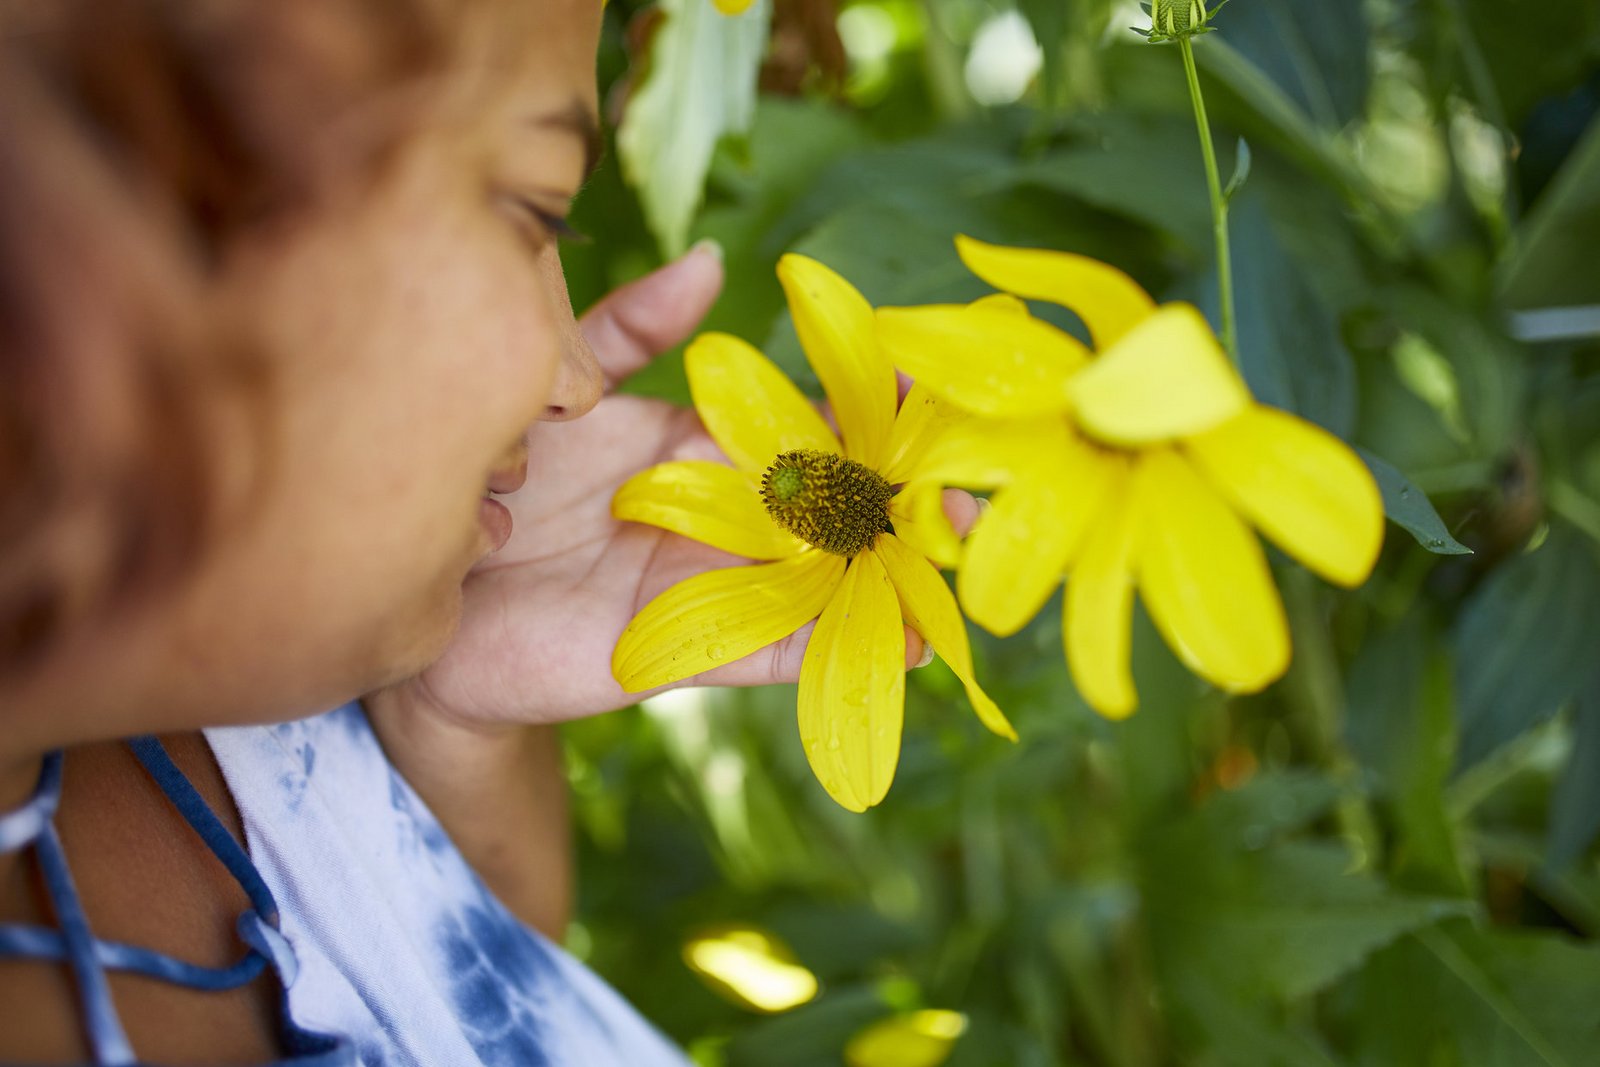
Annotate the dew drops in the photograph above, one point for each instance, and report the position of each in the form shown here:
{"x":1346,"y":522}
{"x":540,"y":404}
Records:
{"x":814,"y":748}
{"x":834,"y":745}
{"x":716,"y":652}
{"x":856,"y":698}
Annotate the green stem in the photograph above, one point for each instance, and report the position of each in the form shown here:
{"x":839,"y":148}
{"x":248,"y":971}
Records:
{"x":1219,"y":205}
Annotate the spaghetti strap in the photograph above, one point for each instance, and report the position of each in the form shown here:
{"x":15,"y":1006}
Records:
{"x":74,"y":943}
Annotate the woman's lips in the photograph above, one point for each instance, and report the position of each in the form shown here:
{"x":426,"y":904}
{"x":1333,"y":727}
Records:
{"x":494,"y":518}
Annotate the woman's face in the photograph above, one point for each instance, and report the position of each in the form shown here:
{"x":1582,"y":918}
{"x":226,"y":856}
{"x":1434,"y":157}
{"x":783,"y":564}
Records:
{"x":414,"y":330}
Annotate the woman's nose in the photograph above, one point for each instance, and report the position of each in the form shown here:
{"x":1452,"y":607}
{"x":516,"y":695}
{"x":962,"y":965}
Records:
{"x":579,"y":382}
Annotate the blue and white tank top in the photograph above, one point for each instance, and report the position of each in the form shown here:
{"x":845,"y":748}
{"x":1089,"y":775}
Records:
{"x":398,"y":946}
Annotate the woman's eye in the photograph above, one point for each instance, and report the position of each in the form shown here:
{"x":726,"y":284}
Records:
{"x":540,"y":225}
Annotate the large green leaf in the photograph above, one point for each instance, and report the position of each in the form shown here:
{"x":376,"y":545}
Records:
{"x":1525,"y":642}
{"x":1233,"y":905}
{"x":699,"y":84}
{"x":1400,"y":722}
{"x":1575,"y":804}
{"x":1478,"y":998}
{"x":1314,"y":51}
{"x":1552,"y":262}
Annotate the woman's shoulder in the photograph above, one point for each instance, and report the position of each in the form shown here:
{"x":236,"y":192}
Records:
{"x":399,"y":943}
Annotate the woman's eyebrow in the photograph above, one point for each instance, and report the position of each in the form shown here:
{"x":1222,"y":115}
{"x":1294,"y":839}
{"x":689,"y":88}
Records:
{"x":578,"y":119}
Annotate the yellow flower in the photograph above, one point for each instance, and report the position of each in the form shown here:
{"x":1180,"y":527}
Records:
{"x":1146,"y":462}
{"x":843,"y":530}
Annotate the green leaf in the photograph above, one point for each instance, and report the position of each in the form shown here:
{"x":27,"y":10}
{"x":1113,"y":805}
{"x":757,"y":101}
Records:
{"x":1400,"y":722}
{"x":1316,"y":52}
{"x":1551,"y":264}
{"x":1232,"y":905}
{"x":1409,"y":507}
{"x":1525,"y":641}
{"x":1575,"y":804}
{"x":1241,"y":169}
{"x":699,"y":84}
{"x":1455,"y":994}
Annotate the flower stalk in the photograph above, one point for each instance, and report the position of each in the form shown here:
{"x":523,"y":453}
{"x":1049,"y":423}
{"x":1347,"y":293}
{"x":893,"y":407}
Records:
{"x":1219,"y":203}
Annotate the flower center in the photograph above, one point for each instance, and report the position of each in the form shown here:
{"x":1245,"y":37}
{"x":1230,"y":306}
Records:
{"x":833,"y":503}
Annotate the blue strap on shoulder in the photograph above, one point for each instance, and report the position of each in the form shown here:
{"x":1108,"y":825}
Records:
{"x":199,"y":815}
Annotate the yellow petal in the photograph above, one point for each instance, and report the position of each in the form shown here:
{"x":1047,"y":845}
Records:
{"x":917,"y":512}
{"x":924,"y":1038}
{"x":733,"y":7}
{"x":1167,"y":378}
{"x":719,"y":616}
{"x":1022,"y":546}
{"x":750,"y":409}
{"x":840,"y":339}
{"x":1097,"y":611}
{"x":853,"y":687}
{"x":1205,"y":578}
{"x":922,"y":420}
{"x":979,"y":453}
{"x":1302,"y":486}
{"x":930,"y":609}
{"x":1108,"y":301}
{"x":983,"y":357}
{"x":710,"y":502}
{"x":1004,"y":302}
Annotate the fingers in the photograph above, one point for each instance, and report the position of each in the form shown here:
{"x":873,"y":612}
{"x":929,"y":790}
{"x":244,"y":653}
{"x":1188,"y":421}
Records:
{"x":632,"y":325}
{"x":779,"y":663}
{"x":962,"y":509}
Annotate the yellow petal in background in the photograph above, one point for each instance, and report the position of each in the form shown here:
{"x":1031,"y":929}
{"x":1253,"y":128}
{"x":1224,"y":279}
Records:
{"x":1021,"y":547}
{"x":1302,"y":486}
{"x":1167,"y":378}
{"x":983,"y":357}
{"x":917,"y":512}
{"x":709,"y":502}
{"x":922,"y":420}
{"x":979,"y":453}
{"x":853,"y":687}
{"x":719,"y":616}
{"x":1205,"y":579}
{"x":733,"y":7}
{"x":1108,"y":301}
{"x":751,"y":967}
{"x":750,"y":409}
{"x":1097,"y":619}
{"x":930,"y":608}
{"x":837,"y":331}
{"x":912,"y":1039}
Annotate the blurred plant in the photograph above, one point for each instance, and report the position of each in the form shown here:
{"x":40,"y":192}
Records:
{"x":1388,"y":856}
{"x":826,"y":527}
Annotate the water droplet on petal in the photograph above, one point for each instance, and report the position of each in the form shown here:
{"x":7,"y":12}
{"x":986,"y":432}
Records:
{"x":856,"y":698}
{"x":716,"y":652}
{"x":834,"y":745}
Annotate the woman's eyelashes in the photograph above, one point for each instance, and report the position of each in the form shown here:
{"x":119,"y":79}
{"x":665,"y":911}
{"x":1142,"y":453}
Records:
{"x":538,"y":225}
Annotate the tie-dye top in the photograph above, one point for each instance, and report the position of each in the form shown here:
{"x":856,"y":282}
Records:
{"x":398,"y":945}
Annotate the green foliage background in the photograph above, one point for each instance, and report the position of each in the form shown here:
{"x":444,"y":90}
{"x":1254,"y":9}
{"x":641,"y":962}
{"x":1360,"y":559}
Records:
{"x":1386,"y":858}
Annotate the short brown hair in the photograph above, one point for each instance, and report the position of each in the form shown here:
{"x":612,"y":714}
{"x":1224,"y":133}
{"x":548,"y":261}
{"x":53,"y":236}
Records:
{"x":138,"y":140}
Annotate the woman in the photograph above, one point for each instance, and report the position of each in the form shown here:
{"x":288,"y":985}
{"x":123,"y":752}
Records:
{"x":279,"y":300}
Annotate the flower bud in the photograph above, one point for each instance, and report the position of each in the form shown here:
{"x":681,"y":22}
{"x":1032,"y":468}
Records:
{"x":1173,"y":19}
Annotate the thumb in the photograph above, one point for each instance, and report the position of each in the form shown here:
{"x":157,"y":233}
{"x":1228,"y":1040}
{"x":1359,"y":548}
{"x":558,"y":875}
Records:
{"x":632,"y":325}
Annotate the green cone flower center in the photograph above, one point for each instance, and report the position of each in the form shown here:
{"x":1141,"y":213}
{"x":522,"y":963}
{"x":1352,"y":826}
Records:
{"x":833,"y":503}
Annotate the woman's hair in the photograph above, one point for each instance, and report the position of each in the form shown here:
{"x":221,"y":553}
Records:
{"x":139,"y":139}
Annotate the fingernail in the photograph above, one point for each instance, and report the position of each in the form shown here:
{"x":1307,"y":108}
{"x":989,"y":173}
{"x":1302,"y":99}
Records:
{"x":927,"y":656}
{"x":983,"y":506}
{"x":709,"y":245}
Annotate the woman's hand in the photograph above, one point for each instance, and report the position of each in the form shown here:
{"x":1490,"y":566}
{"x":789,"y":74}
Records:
{"x":543,"y":614}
